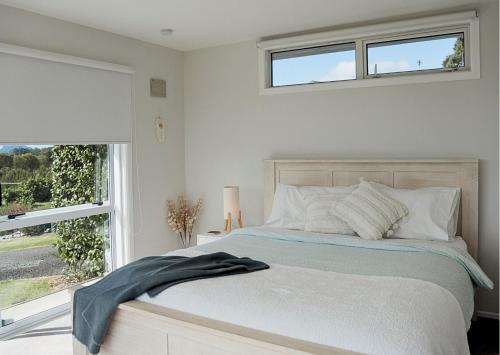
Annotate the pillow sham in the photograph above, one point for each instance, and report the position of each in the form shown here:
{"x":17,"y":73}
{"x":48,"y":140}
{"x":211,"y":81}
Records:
{"x":320,"y":215}
{"x":433,"y":212}
{"x":289,"y":204}
{"x":288,"y":208}
{"x":369,"y":212}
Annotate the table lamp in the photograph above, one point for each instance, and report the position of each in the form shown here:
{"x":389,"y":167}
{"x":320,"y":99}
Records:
{"x":231,"y":206}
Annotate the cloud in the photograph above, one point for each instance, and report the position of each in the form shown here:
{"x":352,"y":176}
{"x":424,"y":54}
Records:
{"x":342,"y":71}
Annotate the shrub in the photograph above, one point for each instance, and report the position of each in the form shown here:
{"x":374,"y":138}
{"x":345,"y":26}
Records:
{"x":80,"y":242}
{"x":81,"y":245}
{"x":35,"y":189}
{"x":14,"y":174}
{"x":11,"y":194}
{"x":26,"y":161}
{"x":6,"y":160}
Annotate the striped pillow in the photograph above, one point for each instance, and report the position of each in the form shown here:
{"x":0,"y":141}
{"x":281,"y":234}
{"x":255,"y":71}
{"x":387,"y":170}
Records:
{"x":320,"y":215}
{"x":370,"y":212}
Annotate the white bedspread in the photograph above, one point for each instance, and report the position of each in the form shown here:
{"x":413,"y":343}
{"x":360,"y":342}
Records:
{"x":369,"y":314}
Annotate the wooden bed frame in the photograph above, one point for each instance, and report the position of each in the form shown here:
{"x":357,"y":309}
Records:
{"x":142,"y":328}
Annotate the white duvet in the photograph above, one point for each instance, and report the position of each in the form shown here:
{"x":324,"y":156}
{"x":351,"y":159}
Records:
{"x":368,"y":314}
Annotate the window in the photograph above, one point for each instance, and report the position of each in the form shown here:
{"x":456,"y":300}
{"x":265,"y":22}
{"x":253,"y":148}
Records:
{"x":314,"y":65}
{"x":441,"y":52}
{"x":58,"y":224}
{"x":40,"y":177}
{"x":34,"y":263}
{"x":438,"y":48}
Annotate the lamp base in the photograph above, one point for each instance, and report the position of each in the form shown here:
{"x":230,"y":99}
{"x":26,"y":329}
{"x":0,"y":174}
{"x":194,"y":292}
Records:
{"x":228,"y":222}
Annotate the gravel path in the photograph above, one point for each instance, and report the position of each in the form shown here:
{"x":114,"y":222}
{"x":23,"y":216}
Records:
{"x":28,"y":263}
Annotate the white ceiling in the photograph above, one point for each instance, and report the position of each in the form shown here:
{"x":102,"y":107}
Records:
{"x":207,"y":23}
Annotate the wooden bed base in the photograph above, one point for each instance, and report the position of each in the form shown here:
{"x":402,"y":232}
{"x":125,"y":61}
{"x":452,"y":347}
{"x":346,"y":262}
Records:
{"x":140,"y":328}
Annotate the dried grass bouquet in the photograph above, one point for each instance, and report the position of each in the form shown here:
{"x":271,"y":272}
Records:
{"x":182,"y":216}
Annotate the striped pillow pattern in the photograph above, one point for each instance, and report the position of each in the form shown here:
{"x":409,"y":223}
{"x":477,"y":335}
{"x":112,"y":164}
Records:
{"x":320,"y":215}
{"x":369,"y":212}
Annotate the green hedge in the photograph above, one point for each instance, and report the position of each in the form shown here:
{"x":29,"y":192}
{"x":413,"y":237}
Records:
{"x":35,"y":189}
{"x":80,"y":242}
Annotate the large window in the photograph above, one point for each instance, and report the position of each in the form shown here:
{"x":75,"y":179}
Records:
{"x":57,"y":223}
{"x":444,"y":47}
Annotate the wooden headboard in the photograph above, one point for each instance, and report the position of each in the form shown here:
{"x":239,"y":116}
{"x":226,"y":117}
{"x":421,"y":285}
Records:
{"x":408,"y":174}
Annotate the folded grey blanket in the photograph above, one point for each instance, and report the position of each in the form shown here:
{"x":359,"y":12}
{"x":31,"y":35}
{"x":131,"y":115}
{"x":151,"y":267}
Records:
{"x":93,"y":306}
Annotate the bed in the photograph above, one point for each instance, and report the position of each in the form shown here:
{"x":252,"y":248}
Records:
{"x":332,"y":294}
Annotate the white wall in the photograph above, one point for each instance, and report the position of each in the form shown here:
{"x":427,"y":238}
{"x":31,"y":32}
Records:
{"x":230,"y":129}
{"x":160,"y":166}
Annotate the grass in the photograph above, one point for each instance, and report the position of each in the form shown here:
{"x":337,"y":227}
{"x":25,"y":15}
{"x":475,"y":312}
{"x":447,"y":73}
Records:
{"x":28,"y":242}
{"x":17,"y":291}
{"x":37,"y":206}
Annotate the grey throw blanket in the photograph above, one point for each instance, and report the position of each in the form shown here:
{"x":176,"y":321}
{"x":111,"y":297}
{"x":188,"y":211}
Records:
{"x":93,"y":306}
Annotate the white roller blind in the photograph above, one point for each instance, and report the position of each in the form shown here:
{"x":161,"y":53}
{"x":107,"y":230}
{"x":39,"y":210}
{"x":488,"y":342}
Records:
{"x":57,"y":101}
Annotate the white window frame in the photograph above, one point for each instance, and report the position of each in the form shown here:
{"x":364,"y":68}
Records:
{"x":467,"y":22}
{"x":59,"y":214}
{"x":118,"y":205}
{"x":416,"y":36}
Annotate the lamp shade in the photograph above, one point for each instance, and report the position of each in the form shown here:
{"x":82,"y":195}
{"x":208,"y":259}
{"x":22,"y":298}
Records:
{"x":231,"y":201}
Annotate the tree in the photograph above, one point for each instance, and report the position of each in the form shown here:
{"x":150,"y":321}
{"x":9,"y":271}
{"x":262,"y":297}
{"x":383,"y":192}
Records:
{"x":21,"y":150}
{"x":456,"y":59}
{"x":80,"y":242}
{"x":36,"y":189}
{"x":6,"y":160}
{"x":26,"y":161}
{"x":14,"y":174}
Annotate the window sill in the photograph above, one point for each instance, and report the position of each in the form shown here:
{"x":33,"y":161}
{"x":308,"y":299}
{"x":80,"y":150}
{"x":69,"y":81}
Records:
{"x":53,"y":215}
{"x":373,"y":82}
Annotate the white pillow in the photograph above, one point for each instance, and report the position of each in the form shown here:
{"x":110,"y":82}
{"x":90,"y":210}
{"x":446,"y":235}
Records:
{"x":289,"y":208}
{"x":320,"y":215}
{"x":289,"y":204}
{"x":433,"y":212}
{"x":370,"y":212}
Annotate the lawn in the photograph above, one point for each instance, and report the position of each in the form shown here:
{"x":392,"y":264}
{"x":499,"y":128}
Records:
{"x":17,"y":291}
{"x":28,"y":242}
{"x":37,"y":206}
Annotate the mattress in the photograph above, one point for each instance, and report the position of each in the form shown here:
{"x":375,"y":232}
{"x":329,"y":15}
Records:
{"x":390,"y":296}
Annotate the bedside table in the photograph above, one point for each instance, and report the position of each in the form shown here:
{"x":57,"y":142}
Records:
{"x":204,"y":238}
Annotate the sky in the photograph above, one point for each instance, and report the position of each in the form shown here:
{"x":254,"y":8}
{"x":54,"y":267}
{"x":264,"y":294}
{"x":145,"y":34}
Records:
{"x":31,"y":145}
{"x":341,"y":65}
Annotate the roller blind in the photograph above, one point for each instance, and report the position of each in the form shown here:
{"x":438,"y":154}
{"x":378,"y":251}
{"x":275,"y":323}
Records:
{"x":56,"y":101}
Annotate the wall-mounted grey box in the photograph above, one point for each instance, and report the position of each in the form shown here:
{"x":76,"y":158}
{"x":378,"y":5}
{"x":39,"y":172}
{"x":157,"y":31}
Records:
{"x":158,"y":87}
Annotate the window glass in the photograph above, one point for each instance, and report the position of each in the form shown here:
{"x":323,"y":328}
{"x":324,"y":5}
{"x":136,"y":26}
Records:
{"x":45,"y":259}
{"x":38,"y":177}
{"x":314,"y":65}
{"x":417,"y":54}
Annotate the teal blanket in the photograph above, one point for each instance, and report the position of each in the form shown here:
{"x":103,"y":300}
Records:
{"x":437,"y":262}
